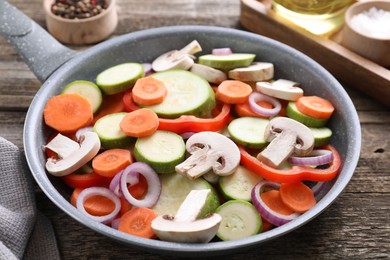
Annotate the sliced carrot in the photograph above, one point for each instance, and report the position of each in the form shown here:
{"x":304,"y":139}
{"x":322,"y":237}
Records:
{"x":95,"y":205}
{"x":137,"y":222}
{"x":149,"y":91}
{"x":315,"y":106}
{"x":66,"y":113}
{"x":297,"y":196}
{"x":273,"y":200}
{"x":85,"y":180}
{"x":233,"y":92}
{"x":139,"y":123}
{"x":111,"y":104}
{"x":125,"y":206}
{"x":111,"y":161}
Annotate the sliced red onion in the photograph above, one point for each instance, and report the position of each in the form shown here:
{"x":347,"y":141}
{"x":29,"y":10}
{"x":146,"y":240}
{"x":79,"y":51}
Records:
{"x":147,"y":68}
{"x":316,"y":157}
{"x":115,"y":223}
{"x":187,"y":135}
{"x":318,"y":187}
{"x":221,"y":51}
{"x":93,"y":191}
{"x":267,"y":213}
{"x":154,"y":184}
{"x":81,"y":131}
{"x":255,"y":97}
{"x":132,"y":179}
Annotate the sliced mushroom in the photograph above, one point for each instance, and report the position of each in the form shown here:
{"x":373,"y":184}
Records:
{"x":257,"y":71}
{"x":281,"y":88}
{"x":210,"y":74}
{"x":209,"y":151}
{"x":63,"y":146}
{"x":184,"y":227}
{"x":177,"y":59}
{"x":286,"y":137}
{"x":88,"y":148}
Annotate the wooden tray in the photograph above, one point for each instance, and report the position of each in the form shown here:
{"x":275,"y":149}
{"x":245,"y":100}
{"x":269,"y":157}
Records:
{"x":345,"y":65}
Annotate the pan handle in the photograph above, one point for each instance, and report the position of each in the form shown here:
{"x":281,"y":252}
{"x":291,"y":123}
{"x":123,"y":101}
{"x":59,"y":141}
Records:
{"x":42,"y":53}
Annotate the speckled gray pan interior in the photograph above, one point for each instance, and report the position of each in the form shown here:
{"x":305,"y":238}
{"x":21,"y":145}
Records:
{"x":144,"y":46}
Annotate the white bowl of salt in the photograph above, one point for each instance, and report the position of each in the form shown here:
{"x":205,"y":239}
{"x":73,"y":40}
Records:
{"x":367,"y":30}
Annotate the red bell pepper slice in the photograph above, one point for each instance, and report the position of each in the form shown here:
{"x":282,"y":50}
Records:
{"x":296,"y":173}
{"x":187,"y":123}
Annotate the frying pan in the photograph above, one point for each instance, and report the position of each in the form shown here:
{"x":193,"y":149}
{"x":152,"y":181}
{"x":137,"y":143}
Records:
{"x":56,"y":66}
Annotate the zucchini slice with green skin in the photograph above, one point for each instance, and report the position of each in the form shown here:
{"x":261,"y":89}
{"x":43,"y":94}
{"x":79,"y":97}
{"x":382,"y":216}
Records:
{"x":162,"y":150}
{"x":119,"y":78}
{"x":293,"y":113}
{"x":176,"y":187}
{"x":88,"y":90}
{"x":322,"y":135}
{"x":109,"y":132}
{"x":239,"y":185}
{"x":227,"y":62}
{"x":248,"y":131}
{"x":240,"y":219}
{"x":188,"y":94}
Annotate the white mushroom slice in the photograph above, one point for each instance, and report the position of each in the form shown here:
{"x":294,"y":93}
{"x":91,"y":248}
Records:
{"x":257,"y":71}
{"x":281,"y":88}
{"x":177,"y":59}
{"x":210,"y":74}
{"x":287,"y":137}
{"x":184,"y":227}
{"x":89,"y":147}
{"x":63,"y":146}
{"x":209,"y":151}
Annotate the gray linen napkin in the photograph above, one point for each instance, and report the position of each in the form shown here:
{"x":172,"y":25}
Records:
{"x":25,"y":233}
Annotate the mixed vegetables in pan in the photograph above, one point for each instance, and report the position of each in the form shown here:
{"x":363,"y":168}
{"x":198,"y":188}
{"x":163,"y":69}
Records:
{"x":190,"y":149}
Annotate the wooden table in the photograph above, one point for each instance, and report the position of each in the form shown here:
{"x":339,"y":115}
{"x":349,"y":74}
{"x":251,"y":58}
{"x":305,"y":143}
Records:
{"x":356,"y":226}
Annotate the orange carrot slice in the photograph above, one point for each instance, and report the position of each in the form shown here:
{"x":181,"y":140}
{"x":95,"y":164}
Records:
{"x":297,"y":196}
{"x":95,"y":205}
{"x":149,"y":91}
{"x":137,"y":222}
{"x":273,"y":200}
{"x":315,"y":106}
{"x":139,"y":123}
{"x":67,"y":113}
{"x":111,"y":161}
{"x":233,"y":92}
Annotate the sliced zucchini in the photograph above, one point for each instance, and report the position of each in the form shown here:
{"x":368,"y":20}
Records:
{"x":322,"y":135}
{"x":240,"y":219}
{"x":119,"y":78}
{"x":227,"y":62}
{"x":188,"y":94}
{"x":109,"y":132}
{"x":88,"y":90}
{"x":162,"y":150}
{"x":175,"y":189}
{"x":239,"y":185}
{"x":293,"y":113}
{"x":248,"y":131}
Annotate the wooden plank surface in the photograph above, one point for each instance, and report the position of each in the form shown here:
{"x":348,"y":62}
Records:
{"x":355,"y":226}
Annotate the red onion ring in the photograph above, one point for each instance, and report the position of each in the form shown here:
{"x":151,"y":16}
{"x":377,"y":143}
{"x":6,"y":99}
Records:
{"x":316,"y":157}
{"x":93,"y":191}
{"x":154,"y":184}
{"x":115,"y":223}
{"x":147,"y":68}
{"x":267,"y":213}
{"x":132,"y":179}
{"x":221,"y":51}
{"x":318,"y":187}
{"x":187,"y":135}
{"x":255,"y":97}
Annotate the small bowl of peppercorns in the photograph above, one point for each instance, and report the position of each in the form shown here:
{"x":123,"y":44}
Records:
{"x":80,"y":22}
